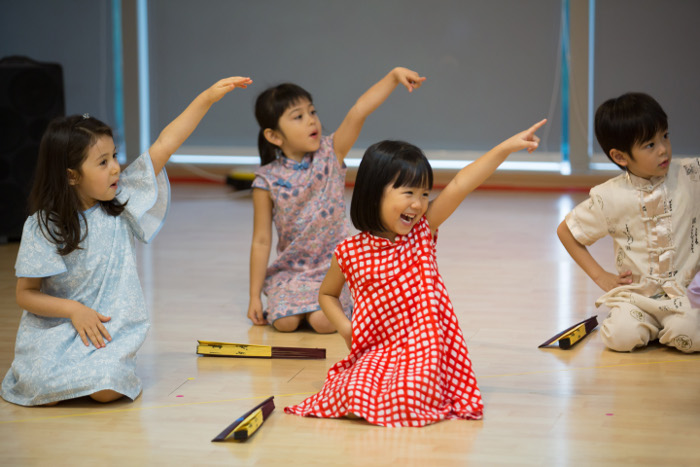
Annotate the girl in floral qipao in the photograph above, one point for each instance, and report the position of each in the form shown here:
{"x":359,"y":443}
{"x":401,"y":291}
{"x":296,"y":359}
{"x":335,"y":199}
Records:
{"x":300,"y":188}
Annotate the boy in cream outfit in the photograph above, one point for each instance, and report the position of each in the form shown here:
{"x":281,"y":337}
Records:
{"x":652,"y":212}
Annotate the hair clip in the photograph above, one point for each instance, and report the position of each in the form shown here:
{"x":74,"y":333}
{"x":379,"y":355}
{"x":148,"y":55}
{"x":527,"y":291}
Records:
{"x":86,"y":116}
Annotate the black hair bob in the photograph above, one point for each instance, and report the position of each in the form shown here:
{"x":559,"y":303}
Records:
{"x":387,"y":162}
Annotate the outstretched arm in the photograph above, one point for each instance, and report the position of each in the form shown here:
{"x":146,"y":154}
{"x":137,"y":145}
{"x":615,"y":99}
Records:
{"x":473,"y":175}
{"x":182,"y":127}
{"x":349,"y":129}
{"x":329,"y":299}
{"x":605,"y":280}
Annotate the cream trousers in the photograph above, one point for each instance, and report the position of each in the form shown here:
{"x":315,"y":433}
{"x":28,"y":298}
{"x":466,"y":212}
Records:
{"x":634,"y":320}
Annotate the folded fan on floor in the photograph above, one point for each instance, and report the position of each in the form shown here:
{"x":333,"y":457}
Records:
{"x":230,"y":349}
{"x":569,"y":336}
{"x":248,"y":423}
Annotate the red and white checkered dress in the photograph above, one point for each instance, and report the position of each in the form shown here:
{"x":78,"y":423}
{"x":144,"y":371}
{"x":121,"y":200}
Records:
{"x":409,"y":364}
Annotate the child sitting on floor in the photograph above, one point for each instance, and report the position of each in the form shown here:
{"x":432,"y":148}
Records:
{"x":408,"y":362}
{"x":651,"y":213}
{"x":84,"y":313}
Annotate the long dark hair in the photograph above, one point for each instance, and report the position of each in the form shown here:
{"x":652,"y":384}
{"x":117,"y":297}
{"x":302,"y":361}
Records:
{"x":387,"y":162}
{"x":64,"y":146}
{"x":269,"y":107}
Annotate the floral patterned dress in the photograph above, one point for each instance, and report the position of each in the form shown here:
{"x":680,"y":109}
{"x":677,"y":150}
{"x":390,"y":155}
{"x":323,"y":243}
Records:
{"x":408,"y":365}
{"x":51,"y":362}
{"x":309,"y":216}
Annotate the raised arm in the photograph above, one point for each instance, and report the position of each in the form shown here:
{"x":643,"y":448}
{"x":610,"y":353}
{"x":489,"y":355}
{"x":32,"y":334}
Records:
{"x":329,"y":299}
{"x":351,"y":126}
{"x":182,"y":127}
{"x":605,"y":280}
{"x":473,"y":175}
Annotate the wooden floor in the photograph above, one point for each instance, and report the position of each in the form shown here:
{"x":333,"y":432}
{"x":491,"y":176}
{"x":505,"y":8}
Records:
{"x":513,"y":286}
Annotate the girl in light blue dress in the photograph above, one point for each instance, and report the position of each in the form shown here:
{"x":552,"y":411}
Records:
{"x":84,"y":312}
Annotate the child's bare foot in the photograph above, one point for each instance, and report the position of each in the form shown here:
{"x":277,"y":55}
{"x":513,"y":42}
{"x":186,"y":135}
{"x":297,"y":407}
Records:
{"x":106,"y":395}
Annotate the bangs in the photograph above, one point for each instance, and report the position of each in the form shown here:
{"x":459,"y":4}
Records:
{"x":285,"y":96}
{"x":413,"y":172}
{"x":648,"y":125}
{"x":386,"y":163}
{"x":622,"y":122}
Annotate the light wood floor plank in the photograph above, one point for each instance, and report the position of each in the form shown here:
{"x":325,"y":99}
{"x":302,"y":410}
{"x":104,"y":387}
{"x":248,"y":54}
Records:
{"x":512,"y":285}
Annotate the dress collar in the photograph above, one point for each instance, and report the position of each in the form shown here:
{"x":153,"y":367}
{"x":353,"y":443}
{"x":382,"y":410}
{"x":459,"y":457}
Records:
{"x":381,"y":243}
{"x":291,"y":163}
{"x":91,"y":208}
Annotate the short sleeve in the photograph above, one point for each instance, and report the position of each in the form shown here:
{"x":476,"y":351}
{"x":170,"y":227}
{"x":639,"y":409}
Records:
{"x":587,"y":221}
{"x":147,"y":197}
{"x":327,"y":143}
{"x":37,"y":255}
{"x":260,"y":182}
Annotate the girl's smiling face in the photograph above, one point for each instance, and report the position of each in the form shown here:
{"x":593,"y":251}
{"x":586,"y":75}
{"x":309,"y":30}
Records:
{"x":401,"y":208}
{"x":98,"y":176}
{"x":299,"y":130}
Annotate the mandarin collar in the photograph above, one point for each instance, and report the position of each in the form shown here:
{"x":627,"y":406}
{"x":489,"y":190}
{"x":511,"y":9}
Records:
{"x":644,"y":184}
{"x":292,"y":164}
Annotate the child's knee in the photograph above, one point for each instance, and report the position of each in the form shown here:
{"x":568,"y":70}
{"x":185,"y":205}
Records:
{"x":681,"y":334}
{"x":319,"y":323}
{"x":287,"y":324}
{"x":624,"y":342}
{"x":622,"y":334}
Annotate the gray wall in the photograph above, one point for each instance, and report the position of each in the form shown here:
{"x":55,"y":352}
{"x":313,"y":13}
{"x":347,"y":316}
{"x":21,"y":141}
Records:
{"x":652,"y":46}
{"x":491,"y":65}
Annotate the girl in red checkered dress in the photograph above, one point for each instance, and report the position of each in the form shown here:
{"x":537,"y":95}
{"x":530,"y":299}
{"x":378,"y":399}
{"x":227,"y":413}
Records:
{"x":408,"y":362}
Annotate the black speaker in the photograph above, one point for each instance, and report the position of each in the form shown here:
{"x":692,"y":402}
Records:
{"x":31,"y":95}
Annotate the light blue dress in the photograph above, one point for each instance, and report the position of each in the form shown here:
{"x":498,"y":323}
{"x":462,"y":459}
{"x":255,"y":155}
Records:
{"x":51,"y":362}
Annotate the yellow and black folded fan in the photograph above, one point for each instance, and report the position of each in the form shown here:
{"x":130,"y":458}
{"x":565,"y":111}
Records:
{"x":568,"y":337}
{"x":230,"y":349}
{"x":248,"y":423}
